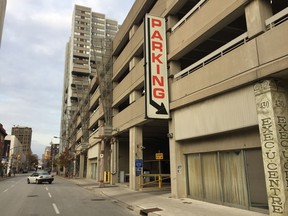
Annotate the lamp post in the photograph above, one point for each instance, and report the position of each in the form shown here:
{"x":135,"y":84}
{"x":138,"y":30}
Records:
{"x":51,"y":155}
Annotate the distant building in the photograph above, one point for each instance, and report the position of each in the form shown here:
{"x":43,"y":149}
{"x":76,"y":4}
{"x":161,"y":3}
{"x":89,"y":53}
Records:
{"x":46,"y":158}
{"x":47,"y":153}
{"x":3,"y":134}
{"x":2,"y":15}
{"x":16,"y":158}
{"x":24,"y":134}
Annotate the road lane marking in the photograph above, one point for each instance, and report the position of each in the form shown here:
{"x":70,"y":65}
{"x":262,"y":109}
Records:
{"x":49,"y":195}
{"x":55,"y":208}
{"x":6,"y":190}
{"x":46,"y":189}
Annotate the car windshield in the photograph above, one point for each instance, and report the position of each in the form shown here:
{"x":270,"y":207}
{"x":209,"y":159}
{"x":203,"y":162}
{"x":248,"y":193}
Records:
{"x":44,"y":173}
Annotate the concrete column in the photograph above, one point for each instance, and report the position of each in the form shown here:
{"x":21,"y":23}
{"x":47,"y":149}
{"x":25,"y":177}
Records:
{"x":174,"y":67}
{"x":101,"y":163}
{"x":115,"y":111}
{"x":81,"y":166}
{"x":177,"y":164}
{"x":132,"y":31}
{"x":256,"y":12}
{"x":171,"y":21}
{"x":88,"y":169}
{"x":114,"y":160}
{"x":135,"y":152}
{"x":74,"y":167}
{"x":133,"y":62}
{"x":134,"y":96}
{"x":271,"y":102}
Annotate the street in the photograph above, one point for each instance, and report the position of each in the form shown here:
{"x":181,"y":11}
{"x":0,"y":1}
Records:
{"x":62,"y":197}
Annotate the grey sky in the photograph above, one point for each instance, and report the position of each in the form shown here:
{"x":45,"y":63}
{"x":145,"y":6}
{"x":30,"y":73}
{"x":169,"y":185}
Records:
{"x":32,"y":62}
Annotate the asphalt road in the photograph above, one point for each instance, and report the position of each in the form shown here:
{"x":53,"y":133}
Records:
{"x":62,"y":197}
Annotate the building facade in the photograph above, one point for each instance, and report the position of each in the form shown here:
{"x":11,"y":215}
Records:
{"x":16,"y":158}
{"x":24,"y":135}
{"x":91,"y":33}
{"x":46,"y":158}
{"x":3,"y":149}
{"x":226,"y":139}
{"x":2,"y":16}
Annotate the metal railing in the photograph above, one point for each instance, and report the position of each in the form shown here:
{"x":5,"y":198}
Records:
{"x":186,"y":17}
{"x":277,"y":19}
{"x":157,"y":179}
{"x":240,"y":40}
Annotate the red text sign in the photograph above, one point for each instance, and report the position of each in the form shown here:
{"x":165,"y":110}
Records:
{"x":156,"y":83}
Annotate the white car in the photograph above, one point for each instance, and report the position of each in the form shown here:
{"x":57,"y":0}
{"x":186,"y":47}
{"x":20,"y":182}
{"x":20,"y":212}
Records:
{"x":39,"y":177}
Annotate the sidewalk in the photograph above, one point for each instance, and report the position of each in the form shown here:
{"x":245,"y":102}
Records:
{"x":6,"y":177}
{"x":160,"y":203}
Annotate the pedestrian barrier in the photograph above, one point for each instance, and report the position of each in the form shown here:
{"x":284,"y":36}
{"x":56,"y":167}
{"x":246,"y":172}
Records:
{"x":107,"y":177}
{"x":157,"y":178}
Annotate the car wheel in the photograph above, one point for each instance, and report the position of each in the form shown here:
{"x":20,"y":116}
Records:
{"x":28,"y":181}
{"x":50,"y":182}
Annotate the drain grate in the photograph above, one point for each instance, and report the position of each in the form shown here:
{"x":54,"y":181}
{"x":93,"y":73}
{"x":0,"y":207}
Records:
{"x":145,"y":212}
{"x":33,"y":195}
{"x":98,"y":199}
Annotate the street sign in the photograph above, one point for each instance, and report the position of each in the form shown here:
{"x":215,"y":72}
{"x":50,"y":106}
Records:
{"x":138,"y":166}
{"x":156,"y":81}
{"x":159,"y":156}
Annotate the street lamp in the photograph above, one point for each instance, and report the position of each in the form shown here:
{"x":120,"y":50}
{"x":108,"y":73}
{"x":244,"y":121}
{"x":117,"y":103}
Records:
{"x":51,"y":155}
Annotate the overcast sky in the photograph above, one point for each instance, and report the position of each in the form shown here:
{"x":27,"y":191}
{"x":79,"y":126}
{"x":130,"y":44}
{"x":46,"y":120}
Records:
{"x":32,"y":62}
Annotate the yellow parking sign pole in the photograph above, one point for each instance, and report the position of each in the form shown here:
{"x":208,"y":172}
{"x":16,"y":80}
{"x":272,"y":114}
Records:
{"x":159,"y":156}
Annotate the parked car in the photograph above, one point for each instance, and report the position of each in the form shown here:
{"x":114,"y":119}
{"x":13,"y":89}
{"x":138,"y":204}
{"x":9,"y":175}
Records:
{"x":40,"y":177}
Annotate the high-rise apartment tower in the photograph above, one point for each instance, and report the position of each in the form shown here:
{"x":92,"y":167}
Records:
{"x":81,"y":51}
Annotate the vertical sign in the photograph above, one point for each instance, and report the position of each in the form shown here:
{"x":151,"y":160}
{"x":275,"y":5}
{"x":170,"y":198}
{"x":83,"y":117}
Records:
{"x":138,"y":166}
{"x":271,"y":101}
{"x":156,"y":82}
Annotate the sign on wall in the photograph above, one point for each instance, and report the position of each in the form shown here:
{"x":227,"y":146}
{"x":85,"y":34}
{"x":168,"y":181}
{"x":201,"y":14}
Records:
{"x":156,"y":82}
{"x":138,"y":166}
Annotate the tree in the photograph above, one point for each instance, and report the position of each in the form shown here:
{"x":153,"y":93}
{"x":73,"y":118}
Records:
{"x":32,"y":160}
{"x":64,"y":158}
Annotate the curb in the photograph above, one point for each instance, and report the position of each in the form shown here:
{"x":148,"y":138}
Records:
{"x":134,"y":208}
